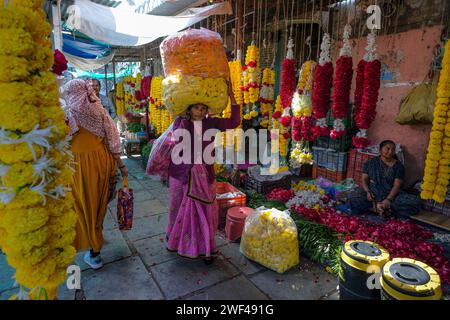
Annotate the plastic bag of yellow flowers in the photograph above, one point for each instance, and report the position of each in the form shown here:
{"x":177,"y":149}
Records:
{"x":196,"y":70}
{"x":270,"y":238}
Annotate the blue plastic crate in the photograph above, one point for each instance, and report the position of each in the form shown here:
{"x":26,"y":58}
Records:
{"x":330,"y":159}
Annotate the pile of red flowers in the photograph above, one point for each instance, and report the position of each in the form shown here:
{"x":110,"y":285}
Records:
{"x":288,"y":84}
{"x":280,"y":194}
{"x":323,"y":81}
{"x":401,"y":239}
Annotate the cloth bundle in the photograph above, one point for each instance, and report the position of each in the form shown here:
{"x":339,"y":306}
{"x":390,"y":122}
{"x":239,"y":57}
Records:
{"x":196,"y":70}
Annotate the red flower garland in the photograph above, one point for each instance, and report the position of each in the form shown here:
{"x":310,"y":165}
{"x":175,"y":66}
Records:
{"x":367,"y":113}
{"x":285,"y":121}
{"x":323,"y":80}
{"x":306,"y":132}
{"x":287,"y":82}
{"x":60,"y":63}
{"x":359,"y":89}
{"x":341,"y":93}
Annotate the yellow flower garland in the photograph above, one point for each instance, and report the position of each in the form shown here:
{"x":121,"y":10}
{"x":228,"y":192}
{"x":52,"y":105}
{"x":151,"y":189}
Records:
{"x":267,"y":92}
{"x":306,"y":72}
{"x":251,"y":74}
{"x":37,"y":219}
{"x":236,"y":80}
{"x":120,"y":99}
{"x":437,"y":170}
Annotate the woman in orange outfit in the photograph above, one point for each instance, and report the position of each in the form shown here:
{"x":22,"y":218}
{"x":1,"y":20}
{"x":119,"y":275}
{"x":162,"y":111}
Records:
{"x":96,"y":149}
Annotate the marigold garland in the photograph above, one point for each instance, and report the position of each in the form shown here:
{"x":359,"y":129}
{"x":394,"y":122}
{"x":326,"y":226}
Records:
{"x":371,"y":85}
{"x":251,"y":81}
{"x":267,"y":96}
{"x":37,"y":219}
{"x":120,"y":94}
{"x":323,"y":81}
{"x":342,"y":85}
{"x":156,"y":104}
{"x":437,"y":170}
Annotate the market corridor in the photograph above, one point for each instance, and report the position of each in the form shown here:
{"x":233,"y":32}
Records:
{"x":138,"y":267}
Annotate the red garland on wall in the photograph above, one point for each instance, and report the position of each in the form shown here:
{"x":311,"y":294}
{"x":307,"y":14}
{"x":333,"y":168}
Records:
{"x":287,"y":82}
{"x":323,"y":81}
{"x":359,"y":90}
{"x":342,"y":85}
{"x":371,"y":85}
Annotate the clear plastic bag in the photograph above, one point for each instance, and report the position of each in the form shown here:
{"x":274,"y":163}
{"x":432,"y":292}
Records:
{"x":196,"y":70}
{"x":181,"y":91}
{"x":195,"y":52}
{"x":270,"y":238}
{"x":159,"y":158}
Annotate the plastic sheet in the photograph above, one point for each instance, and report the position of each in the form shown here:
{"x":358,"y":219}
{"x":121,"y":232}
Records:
{"x":270,"y":238}
{"x":182,"y":91}
{"x":196,"y":70}
{"x":159,"y":158}
{"x":195,"y":52}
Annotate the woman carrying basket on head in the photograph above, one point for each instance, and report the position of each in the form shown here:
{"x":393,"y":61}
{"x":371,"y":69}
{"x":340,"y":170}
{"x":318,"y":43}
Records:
{"x":193,"y":211}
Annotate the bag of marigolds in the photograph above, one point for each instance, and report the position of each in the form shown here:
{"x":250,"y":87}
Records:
{"x":196,"y":70}
{"x":270,"y":238}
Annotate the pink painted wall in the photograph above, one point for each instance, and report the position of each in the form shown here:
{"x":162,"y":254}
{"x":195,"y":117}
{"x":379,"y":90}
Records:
{"x":408,"y":56}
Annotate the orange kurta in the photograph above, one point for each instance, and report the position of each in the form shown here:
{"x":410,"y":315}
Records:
{"x":94,"y":167}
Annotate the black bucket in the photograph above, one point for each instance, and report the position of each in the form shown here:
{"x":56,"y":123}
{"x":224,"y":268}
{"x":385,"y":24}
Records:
{"x":359,"y":261}
{"x":408,"y":279}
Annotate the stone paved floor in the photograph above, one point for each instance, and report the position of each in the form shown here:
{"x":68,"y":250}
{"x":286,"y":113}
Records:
{"x":137,"y":265}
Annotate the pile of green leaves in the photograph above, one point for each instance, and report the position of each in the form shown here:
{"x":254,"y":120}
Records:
{"x":319,"y":243}
{"x":135,"y":127}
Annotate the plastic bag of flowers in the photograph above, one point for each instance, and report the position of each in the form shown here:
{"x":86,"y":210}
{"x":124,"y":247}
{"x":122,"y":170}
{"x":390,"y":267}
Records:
{"x":196,"y":70}
{"x":270,"y":238}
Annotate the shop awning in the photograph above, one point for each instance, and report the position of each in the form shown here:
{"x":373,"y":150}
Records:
{"x":126,"y":28}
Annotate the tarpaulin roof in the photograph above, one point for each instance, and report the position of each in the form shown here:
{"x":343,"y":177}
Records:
{"x":125,"y":28}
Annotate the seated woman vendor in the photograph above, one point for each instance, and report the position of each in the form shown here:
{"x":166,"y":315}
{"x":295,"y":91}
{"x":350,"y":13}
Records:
{"x":381,"y":186}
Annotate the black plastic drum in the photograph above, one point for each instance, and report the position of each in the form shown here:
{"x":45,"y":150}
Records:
{"x":359,"y":261}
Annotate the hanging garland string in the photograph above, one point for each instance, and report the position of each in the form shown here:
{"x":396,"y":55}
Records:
{"x":323,"y":80}
{"x":437,"y":170}
{"x":371,"y":85}
{"x":342,"y":85}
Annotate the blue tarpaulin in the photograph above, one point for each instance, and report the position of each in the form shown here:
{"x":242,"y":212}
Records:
{"x":84,"y":48}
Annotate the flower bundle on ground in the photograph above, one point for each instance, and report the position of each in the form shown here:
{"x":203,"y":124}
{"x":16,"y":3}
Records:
{"x":437,"y":170}
{"x":37,"y":218}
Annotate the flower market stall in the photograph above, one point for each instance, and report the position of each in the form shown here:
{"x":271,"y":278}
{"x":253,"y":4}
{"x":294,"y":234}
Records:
{"x":312,"y":82}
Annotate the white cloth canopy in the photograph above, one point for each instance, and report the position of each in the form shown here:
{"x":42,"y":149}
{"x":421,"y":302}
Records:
{"x":88,"y":64}
{"x":125,"y":28}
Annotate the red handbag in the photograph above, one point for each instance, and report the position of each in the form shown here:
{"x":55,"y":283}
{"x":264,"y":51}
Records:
{"x":125,"y":206}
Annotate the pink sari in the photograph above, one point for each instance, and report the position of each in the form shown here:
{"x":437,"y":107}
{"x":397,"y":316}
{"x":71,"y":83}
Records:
{"x":193,"y":215}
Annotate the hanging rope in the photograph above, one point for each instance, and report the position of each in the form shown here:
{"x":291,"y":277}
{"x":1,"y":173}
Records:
{"x":305,"y":9}
{"x":254,"y":19}
{"x":319,"y":31}
{"x":311,"y":31}
{"x":243,"y":27}
{"x":292,"y":18}
{"x":276,"y":32}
